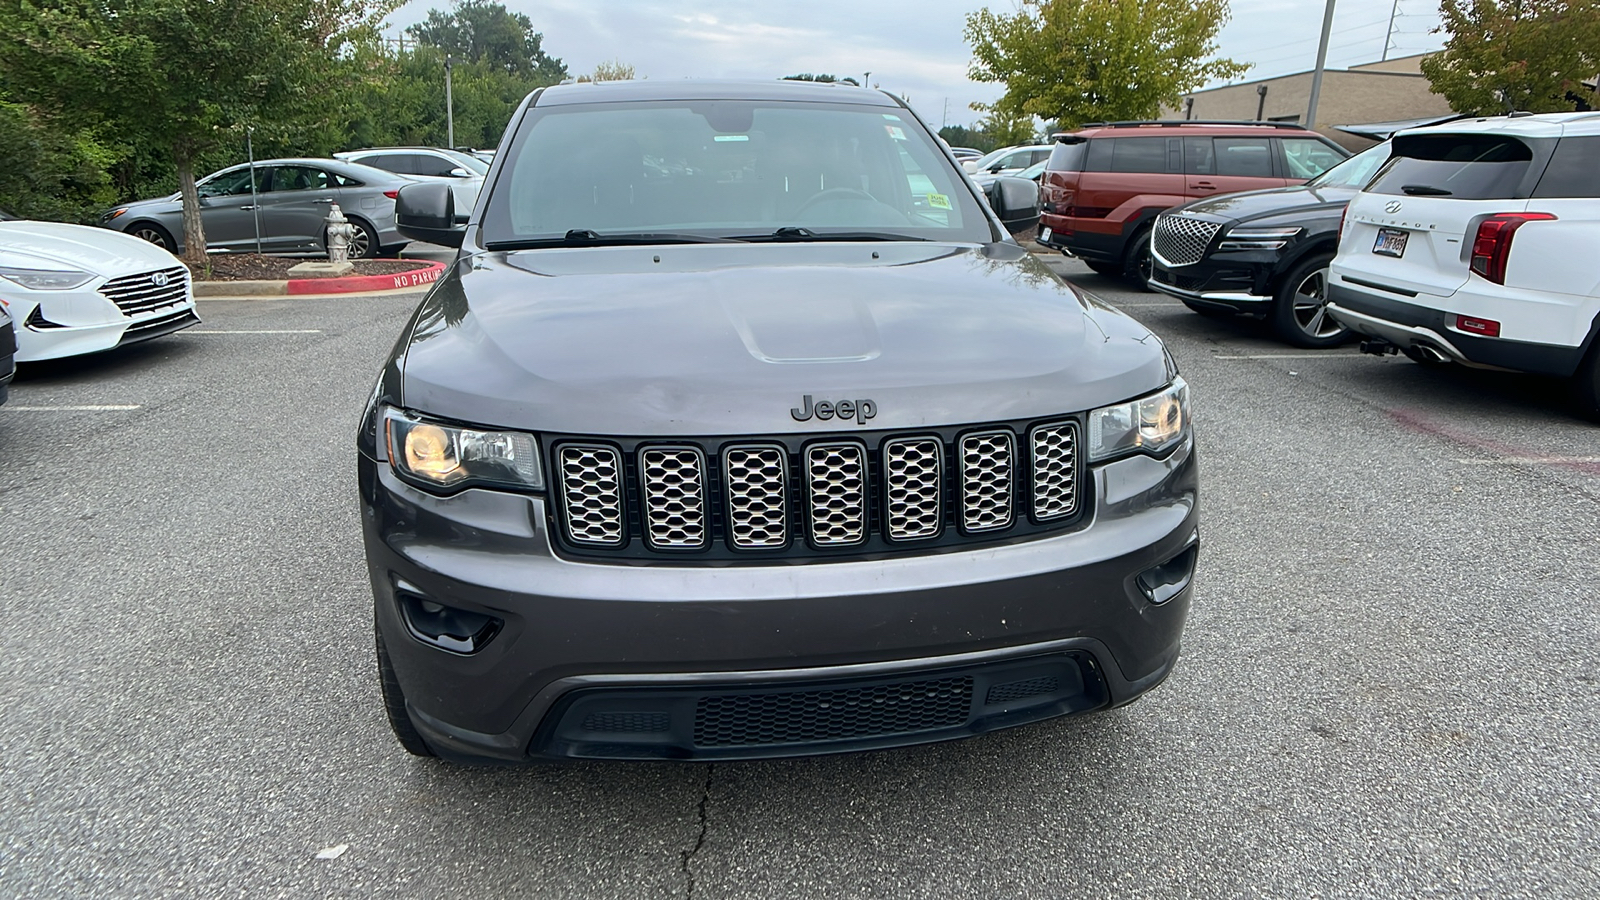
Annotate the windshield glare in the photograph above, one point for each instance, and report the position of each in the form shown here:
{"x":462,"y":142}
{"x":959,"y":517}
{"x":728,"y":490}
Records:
{"x":469,"y":162}
{"x":728,"y":169}
{"x":1354,"y":172}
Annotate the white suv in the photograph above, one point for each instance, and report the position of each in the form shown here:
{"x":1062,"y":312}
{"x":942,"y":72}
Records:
{"x":462,"y":171}
{"x":1476,"y":244}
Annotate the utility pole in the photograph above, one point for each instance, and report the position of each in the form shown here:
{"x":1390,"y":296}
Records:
{"x":867,"y":81}
{"x":450,"y":104}
{"x":1322,"y":63}
{"x":946,"y":123}
{"x":1388,"y":36}
{"x":255,"y":204}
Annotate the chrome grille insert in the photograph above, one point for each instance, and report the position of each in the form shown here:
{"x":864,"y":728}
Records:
{"x":1181,"y":241}
{"x":138,"y":294}
{"x":986,"y":480}
{"x":1055,"y":470}
{"x":913,"y":470}
{"x":672,"y":486}
{"x":836,"y":487}
{"x":591,"y":493}
{"x":757,"y":480}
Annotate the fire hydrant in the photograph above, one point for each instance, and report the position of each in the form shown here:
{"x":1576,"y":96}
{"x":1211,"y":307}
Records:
{"x":340,"y":231}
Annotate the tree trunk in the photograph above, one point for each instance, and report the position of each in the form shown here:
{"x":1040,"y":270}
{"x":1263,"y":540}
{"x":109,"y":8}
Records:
{"x":194,"y":231}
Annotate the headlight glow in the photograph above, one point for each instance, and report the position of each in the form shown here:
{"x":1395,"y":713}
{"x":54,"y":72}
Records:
{"x":1265,"y":238}
{"x":1150,"y":424}
{"x":451,"y":456}
{"x":46,"y":279}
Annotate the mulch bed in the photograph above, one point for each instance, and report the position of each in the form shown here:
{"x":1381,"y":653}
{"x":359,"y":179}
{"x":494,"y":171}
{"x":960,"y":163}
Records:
{"x":254,"y":267}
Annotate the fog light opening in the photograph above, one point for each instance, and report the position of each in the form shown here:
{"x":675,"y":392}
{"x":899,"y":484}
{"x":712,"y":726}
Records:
{"x":1162,"y":583}
{"x":447,"y":627}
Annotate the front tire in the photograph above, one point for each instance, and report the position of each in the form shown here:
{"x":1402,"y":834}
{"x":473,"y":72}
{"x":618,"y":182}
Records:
{"x":1300,"y":308}
{"x":1586,"y":384}
{"x":1137,"y":264}
{"x":155,"y":234}
{"x":394,"y":704}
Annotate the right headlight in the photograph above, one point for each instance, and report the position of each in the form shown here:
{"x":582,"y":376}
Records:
{"x":451,"y":456}
{"x":1151,"y":424}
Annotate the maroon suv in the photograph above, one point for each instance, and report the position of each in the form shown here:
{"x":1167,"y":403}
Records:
{"x":1104,"y":184}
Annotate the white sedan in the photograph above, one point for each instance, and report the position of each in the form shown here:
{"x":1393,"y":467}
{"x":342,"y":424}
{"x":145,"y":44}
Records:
{"x":72,"y":289}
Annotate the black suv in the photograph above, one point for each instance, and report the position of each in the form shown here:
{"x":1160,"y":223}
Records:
{"x":740,"y":427}
{"x":1263,"y":253}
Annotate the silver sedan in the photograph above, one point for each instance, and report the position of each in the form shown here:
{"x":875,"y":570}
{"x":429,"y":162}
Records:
{"x":285,"y":212}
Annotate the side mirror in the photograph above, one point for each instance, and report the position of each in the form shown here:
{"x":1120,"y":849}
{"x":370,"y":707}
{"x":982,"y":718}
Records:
{"x":427,"y":212}
{"x":460,"y":172}
{"x":1016,"y":201}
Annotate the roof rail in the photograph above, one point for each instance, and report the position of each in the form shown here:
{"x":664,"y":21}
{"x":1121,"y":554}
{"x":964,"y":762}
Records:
{"x":1171,"y":123}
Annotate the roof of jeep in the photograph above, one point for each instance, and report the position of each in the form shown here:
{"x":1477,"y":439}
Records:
{"x":632,"y":91}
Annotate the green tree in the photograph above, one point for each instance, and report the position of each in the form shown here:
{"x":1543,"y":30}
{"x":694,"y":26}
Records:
{"x":52,"y":171}
{"x":486,"y":33}
{"x":615,"y":70}
{"x":1076,"y":61}
{"x":823,"y":78}
{"x":187,"y":75}
{"x":1504,"y":55}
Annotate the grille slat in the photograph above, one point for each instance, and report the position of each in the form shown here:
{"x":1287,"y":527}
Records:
{"x":757,"y":479}
{"x":673,"y":490}
{"x":836,"y":481}
{"x":913,"y":476}
{"x":986,"y":479}
{"x":591,"y":482}
{"x":1055,"y":470}
{"x":1180,"y":240}
{"x":134,"y":294}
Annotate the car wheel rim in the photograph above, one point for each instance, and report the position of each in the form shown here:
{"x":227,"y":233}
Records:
{"x":151,"y":235}
{"x":359,"y":244}
{"x":1311,"y":306}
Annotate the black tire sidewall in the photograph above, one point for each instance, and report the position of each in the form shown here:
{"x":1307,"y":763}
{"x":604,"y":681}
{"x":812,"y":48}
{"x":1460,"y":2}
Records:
{"x":1138,"y":247}
{"x":1282,"y":315}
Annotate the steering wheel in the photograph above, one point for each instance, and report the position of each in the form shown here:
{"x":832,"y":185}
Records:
{"x":839,"y":193}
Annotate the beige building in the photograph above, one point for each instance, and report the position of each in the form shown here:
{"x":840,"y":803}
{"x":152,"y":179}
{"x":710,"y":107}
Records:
{"x":1387,"y":91}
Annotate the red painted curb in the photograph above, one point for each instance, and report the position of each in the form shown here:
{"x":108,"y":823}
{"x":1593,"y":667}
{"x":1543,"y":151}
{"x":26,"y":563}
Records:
{"x":356,"y":283}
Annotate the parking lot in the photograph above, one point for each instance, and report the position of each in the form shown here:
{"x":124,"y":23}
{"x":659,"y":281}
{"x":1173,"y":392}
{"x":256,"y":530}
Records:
{"x":1389,"y":685}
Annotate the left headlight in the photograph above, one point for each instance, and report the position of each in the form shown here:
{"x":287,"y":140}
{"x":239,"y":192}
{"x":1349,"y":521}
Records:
{"x":1258,"y":238}
{"x":112,"y":214}
{"x":1149,"y":424}
{"x":452,"y":456}
{"x":47,"y":279}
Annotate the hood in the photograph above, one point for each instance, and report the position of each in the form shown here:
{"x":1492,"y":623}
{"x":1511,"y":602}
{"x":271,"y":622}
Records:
{"x":711,"y":339}
{"x":1287,"y":201}
{"x":53,"y":245}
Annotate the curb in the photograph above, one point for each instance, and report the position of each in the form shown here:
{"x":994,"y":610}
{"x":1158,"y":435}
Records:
{"x":354,"y":284}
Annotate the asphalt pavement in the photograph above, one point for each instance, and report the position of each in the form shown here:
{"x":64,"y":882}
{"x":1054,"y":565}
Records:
{"x":1388,"y":688}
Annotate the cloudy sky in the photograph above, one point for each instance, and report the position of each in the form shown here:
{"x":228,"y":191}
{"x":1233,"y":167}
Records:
{"x":911,"y":47}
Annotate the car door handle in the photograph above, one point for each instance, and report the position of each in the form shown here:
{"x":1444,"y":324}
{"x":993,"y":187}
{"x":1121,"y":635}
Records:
{"x":249,"y":207}
{"x":325,"y":200}
{"x":1203,"y":186}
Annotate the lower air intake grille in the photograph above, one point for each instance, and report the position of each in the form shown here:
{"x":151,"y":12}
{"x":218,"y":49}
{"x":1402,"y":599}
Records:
{"x":1181,"y":241}
{"x":625,"y":723}
{"x":591,"y":494}
{"x":1018,"y":690}
{"x":788,"y":717}
{"x":1055,"y":470}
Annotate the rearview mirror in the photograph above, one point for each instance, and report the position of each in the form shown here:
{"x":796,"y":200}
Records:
{"x":1015,"y":201}
{"x":427,"y":212}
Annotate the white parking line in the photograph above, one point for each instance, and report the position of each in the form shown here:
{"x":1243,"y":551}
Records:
{"x":1294,"y":356}
{"x":99,"y":408}
{"x":247,"y":331}
{"x":1532,"y":461}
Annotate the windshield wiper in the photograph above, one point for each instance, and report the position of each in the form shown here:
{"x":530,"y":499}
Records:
{"x":1424,"y":190}
{"x":796,"y":233}
{"x":584,"y":237}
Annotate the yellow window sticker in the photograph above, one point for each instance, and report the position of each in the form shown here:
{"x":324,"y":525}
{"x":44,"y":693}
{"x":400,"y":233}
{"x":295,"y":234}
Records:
{"x":938,"y":201}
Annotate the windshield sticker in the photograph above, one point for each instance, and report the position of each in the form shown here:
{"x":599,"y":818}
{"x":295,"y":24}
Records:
{"x":732,"y":137}
{"x":938,"y":201}
{"x":895,"y":132}
{"x":891,"y":117}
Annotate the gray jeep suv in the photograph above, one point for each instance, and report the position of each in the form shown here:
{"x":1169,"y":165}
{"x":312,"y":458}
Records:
{"x":740,"y":427}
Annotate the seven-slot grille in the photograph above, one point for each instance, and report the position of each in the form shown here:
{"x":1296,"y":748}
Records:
{"x":827,"y":494}
{"x":1182,"y":241}
{"x":137,"y":294}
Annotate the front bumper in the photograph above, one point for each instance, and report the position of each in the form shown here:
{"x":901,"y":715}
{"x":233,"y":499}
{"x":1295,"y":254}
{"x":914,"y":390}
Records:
{"x":1020,"y":631}
{"x":1219,"y":281}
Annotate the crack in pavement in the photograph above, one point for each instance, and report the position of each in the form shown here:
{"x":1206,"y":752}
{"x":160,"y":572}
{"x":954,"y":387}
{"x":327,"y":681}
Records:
{"x":700,"y":839}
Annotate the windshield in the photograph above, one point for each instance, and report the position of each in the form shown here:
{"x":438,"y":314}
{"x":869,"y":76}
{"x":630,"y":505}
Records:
{"x":728,"y":169}
{"x":1354,"y":172}
{"x":471,"y":162}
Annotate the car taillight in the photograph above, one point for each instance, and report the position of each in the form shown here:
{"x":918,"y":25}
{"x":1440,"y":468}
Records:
{"x":1343,"y":214}
{"x":1472,"y":325}
{"x":1492,"y":246}
{"x":392,"y":195}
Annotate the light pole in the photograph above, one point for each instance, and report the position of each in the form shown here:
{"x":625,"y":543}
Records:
{"x":255,"y":204}
{"x":1322,"y":61}
{"x":450,"y":106}
{"x":866,"y":82}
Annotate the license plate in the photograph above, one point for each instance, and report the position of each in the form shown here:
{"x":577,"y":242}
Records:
{"x":1390,"y":242}
{"x":1044,"y":234}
